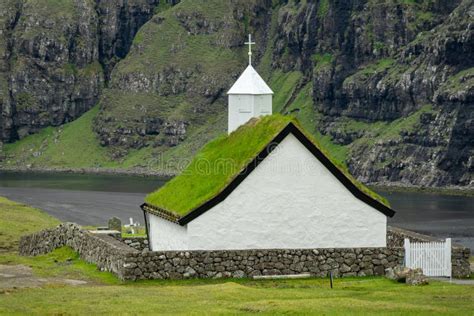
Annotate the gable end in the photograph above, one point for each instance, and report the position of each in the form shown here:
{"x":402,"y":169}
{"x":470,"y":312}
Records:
{"x":290,"y":128}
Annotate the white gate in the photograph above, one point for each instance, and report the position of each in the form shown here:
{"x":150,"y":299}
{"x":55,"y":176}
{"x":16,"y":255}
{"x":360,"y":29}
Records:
{"x":433,"y":257}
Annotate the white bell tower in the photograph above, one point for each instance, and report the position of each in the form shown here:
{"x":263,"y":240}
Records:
{"x":249,"y":97}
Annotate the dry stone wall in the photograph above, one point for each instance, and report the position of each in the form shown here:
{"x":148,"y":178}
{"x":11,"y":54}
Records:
{"x":108,"y":253}
{"x":130,"y":259}
{"x":247,"y":263}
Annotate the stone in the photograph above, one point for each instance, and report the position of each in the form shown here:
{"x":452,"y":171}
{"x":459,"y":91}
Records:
{"x":238,"y":274}
{"x":115,"y":224}
{"x":189,"y":272}
{"x":344,"y":268}
{"x":379,"y":270}
{"x":416,"y":277}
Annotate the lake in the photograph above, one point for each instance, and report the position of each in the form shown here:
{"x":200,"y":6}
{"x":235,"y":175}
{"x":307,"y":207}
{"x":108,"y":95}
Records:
{"x":92,"y":199}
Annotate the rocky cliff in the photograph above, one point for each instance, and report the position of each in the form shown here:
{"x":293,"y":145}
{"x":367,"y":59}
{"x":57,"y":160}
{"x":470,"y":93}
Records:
{"x":387,"y":86}
{"x":56,"y":57}
{"x":394,"y":82}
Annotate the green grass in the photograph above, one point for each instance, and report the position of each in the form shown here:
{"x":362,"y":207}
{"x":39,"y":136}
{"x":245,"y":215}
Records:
{"x":461,"y":81}
{"x":283,"y":84}
{"x":323,"y":8}
{"x":366,"y":72}
{"x":322,"y":60}
{"x":372,"y":132}
{"x":18,"y":219}
{"x":73,"y":145}
{"x":217,"y":164}
{"x":361,"y":296}
{"x":62,"y":263}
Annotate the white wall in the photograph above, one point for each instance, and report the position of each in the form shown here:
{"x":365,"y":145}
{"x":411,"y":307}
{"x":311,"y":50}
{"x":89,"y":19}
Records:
{"x":289,"y":201}
{"x":242,"y":107}
{"x":262,"y":105}
{"x":165,"y":235}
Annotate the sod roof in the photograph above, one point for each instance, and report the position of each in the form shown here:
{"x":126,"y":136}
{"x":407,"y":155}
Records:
{"x":220,"y":163}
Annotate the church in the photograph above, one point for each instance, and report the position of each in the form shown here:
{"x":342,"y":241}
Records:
{"x":265,"y":185}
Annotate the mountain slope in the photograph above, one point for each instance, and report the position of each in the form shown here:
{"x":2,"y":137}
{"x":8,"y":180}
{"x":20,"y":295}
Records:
{"x":386,"y":85}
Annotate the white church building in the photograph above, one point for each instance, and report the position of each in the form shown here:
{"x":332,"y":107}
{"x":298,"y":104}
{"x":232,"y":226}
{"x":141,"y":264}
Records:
{"x":285,"y":194}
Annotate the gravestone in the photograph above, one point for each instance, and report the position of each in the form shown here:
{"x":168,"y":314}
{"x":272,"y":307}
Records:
{"x":115,"y":224}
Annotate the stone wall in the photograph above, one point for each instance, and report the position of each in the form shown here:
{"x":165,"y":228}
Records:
{"x":396,"y":237}
{"x":247,"y":263}
{"x":137,"y":262}
{"x":138,"y":243}
{"x":106,"y":252}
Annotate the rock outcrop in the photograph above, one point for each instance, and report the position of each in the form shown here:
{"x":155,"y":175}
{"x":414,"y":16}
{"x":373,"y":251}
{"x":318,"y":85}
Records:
{"x":176,"y":74}
{"x":394,"y":82}
{"x":55,"y":57}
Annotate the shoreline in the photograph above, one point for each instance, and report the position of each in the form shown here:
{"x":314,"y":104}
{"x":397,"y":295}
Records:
{"x":137,"y":172}
{"x":449,"y":190}
{"x":145,"y":173}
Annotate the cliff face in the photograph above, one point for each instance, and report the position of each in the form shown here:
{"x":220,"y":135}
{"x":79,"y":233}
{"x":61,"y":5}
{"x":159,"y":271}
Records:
{"x":176,"y":74}
{"x":56,"y":55}
{"x":394,"y":82}
{"x":389,"y":83}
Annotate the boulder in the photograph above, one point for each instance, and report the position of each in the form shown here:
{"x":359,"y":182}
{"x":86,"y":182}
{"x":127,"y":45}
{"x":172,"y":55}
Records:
{"x":406,"y":275}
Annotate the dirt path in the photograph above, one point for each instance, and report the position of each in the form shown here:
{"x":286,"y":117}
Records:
{"x":21,"y":276}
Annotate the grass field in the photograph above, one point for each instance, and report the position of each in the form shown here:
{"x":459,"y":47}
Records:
{"x":313,"y":296}
{"x":105,"y":294}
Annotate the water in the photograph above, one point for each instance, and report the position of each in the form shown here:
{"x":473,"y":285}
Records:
{"x":92,"y":199}
{"x":81,"y":182}
{"x":434,"y":214}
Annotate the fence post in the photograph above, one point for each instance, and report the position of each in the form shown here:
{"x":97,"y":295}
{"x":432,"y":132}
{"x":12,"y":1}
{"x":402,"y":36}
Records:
{"x":407,"y":252}
{"x":447,"y":250}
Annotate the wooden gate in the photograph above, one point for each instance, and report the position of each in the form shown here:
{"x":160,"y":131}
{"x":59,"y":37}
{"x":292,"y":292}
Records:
{"x":433,"y":257}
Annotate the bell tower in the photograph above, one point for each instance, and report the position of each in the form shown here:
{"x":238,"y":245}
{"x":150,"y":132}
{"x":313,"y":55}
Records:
{"x":249,"y":97}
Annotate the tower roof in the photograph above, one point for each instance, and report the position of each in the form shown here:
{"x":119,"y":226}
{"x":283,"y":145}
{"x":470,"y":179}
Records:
{"x":250,"y":82}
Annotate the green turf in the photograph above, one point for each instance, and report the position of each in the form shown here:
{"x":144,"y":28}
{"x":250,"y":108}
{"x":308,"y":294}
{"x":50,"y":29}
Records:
{"x":219,"y":162}
{"x":17,"y":219}
{"x":353,"y":296}
{"x":73,"y":145}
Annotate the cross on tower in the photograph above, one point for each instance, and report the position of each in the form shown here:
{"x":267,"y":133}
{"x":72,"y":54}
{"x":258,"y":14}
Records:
{"x":250,"y":43}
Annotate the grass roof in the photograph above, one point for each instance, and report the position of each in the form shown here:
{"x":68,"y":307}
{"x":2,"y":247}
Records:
{"x":221,"y":160}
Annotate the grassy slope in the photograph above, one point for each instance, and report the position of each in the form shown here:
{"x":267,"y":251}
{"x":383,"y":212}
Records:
{"x":72,"y":145}
{"x":18,"y":219}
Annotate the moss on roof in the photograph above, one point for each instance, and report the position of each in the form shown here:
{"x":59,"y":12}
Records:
{"x":221,"y":160}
